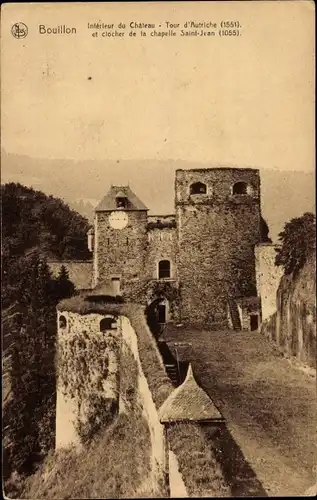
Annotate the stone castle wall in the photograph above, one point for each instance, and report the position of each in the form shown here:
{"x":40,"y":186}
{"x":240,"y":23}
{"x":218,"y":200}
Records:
{"x":293,"y":324}
{"x":268,"y":277}
{"x":217,"y":232}
{"x":149,"y":409}
{"x":67,"y":410}
{"x":136,"y":377}
{"x":162,"y":245}
{"x":78,"y":339}
{"x":133,"y":253}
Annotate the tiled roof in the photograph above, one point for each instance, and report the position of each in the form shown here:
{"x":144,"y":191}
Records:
{"x":109,"y":201}
{"x":189,"y":402}
{"x":104,"y":288}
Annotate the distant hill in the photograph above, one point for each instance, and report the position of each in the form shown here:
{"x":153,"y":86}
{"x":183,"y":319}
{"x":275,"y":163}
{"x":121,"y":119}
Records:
{"x":284,"y":194}
{"x":84,"y":208}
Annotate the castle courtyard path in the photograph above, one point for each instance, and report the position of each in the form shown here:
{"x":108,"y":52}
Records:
{"x":269,"y":406}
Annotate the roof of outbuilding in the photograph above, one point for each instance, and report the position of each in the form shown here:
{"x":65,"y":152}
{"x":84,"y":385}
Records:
{"x":189,"y":402}
{"x":103,"y":288}
{"x":109,"y":201}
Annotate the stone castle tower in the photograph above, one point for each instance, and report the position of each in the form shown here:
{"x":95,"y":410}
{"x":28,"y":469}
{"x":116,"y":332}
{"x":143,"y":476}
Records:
{"x":193,"y":262}
{"x":120,"y":237}
{"x":218,"y":225}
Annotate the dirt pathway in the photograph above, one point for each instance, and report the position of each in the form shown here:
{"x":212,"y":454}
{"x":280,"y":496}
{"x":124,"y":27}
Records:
{"x":270,"y":408}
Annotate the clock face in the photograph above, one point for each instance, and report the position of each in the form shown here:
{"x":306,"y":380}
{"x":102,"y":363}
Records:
{"x":118,"y":220}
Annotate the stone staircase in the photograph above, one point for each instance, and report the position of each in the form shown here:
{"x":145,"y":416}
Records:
{"x":234,"y":314}
{"x":172,"y":372}
{"x":169,"y":363}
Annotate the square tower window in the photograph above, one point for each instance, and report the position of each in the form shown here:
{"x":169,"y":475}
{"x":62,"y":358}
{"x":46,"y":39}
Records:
{"x":115,"y":286}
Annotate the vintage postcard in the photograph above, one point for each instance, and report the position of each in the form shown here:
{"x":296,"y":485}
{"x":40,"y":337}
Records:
{"x":158,"y":249}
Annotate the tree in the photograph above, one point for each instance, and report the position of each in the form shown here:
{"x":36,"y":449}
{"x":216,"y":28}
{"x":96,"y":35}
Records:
{"x":64,"y":288}
{"x":19,"y":413}
{"x":32,"y":371}
{"x":298,"y":242}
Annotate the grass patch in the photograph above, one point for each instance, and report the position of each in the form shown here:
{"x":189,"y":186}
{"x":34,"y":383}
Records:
{"x":202,"y":474}
{"x":85,"y":304}
{"x":112,"y":466}
{"x":152,"y":364}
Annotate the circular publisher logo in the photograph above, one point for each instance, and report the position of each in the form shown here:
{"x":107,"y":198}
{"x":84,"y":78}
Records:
{"x":19,"y":30}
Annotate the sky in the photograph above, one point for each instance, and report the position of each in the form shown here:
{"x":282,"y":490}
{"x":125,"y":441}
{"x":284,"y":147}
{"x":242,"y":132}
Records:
{"x":246,"y":100}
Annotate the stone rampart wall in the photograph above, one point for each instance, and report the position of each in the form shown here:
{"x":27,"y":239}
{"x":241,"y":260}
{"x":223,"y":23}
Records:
{"x":293,"y":325}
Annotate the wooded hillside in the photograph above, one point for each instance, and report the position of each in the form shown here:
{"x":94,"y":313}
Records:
{"x":33,"y":221}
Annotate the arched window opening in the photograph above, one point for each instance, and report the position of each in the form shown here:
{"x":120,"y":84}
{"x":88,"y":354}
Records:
{"x":164,"y":269}
{"x":108,"y":323}
{"x":62,"y":322}
{"x":198,"y":188}
{"x":240,"y":188}
{"x":121,"y":200}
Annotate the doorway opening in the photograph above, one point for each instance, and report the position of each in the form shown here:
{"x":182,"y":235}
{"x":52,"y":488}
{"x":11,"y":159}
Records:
{"x":254,"y":322}
{"x":157,"y":314}
{"x":161,"y":314}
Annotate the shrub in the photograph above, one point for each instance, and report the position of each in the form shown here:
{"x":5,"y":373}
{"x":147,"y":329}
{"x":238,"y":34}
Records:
{"x":298,"y":242}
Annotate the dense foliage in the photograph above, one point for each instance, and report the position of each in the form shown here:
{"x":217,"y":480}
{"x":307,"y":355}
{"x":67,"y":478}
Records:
{"x":33,"y":221}
{"x":83,"y":368}
{"x":298,"y":242}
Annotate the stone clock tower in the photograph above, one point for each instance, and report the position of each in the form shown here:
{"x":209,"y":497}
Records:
{"x":120,"y":239}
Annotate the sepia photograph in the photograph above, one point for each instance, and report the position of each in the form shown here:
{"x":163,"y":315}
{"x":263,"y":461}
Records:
{"x":158,"y":249}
